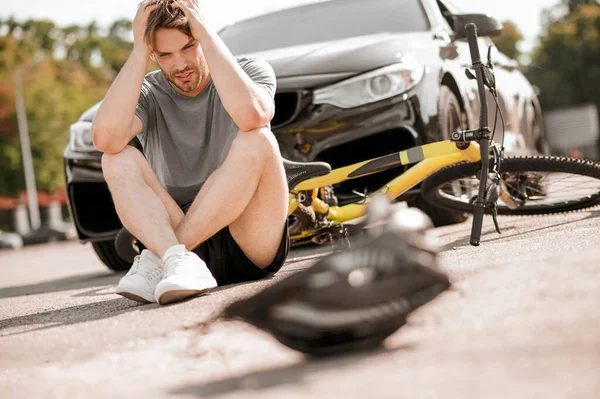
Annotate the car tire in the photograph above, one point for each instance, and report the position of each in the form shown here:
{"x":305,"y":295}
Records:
{"x":126,"y":246}
{"x":449,"y":117}
{"x":107,"y":253}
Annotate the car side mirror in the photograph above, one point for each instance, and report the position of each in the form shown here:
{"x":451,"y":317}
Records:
{"x":486,"y":25}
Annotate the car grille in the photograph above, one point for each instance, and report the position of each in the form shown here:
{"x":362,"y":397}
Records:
{"x":287,"y":107}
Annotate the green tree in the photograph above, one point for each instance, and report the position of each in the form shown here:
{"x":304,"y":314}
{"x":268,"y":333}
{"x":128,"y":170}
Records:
{"x":566,"y":64}
{"x":60,"y":81}
{"x":117,"y":46}
{"x":507,"y":41}
{"x":573,"y":5}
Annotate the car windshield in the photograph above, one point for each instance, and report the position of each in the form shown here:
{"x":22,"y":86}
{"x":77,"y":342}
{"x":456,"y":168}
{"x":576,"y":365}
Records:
{"x":332,"y":20}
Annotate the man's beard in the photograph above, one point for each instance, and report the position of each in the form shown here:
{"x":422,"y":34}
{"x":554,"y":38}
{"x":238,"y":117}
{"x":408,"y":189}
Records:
{"x":188,"y":86}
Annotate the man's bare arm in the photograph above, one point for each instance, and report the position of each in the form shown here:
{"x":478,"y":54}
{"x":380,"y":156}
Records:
{"x":115,"y":123}
{"x":250,"y":106}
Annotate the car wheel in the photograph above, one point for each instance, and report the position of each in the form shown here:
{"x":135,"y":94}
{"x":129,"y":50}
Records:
{"x":107,"y":253}
{"x":449,"y":121}
{"x":126,"y":246}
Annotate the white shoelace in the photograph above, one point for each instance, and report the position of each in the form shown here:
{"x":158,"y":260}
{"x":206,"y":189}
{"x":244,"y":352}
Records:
{"x":173,"y":263}
{"x":147,"y":272}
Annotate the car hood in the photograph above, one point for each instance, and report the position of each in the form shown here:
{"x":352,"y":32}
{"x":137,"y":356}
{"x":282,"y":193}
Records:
{"x":352,"y":55}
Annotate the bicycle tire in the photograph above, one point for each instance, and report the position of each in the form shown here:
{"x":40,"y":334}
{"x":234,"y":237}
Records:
{"x":435,"y":188}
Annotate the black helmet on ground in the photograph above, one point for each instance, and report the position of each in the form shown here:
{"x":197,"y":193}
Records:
{"x":353,"y":299}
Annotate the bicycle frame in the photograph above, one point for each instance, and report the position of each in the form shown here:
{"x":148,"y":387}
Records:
{"x":429,"y":158}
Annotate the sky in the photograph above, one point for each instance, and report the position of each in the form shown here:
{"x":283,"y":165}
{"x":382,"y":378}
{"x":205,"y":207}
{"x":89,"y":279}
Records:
{"x":524,"y":13}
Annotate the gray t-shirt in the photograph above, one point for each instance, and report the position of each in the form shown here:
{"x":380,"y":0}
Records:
{"x":185,"y":139}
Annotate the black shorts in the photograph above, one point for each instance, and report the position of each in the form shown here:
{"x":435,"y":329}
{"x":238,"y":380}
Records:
{"x":229,"y":264}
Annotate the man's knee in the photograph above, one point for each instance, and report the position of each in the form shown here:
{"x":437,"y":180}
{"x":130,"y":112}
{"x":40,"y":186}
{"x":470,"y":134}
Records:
{"x":259,"y":144}
{"x":125,"y":162}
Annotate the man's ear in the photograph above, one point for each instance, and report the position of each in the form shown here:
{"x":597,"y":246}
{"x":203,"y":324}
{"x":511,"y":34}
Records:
{"x":153,"y":57}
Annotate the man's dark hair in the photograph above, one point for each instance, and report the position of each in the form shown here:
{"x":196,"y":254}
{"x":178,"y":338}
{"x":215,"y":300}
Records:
{"x":164,"y":16}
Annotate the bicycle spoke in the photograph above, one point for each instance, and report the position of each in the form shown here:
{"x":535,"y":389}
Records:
{"x":556,"y":188}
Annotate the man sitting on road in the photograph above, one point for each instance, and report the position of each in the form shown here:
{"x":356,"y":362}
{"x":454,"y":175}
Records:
{"x":211,"y":179}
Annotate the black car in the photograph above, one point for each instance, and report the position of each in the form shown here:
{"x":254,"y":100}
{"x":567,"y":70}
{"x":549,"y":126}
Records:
{"x":356,"y":79}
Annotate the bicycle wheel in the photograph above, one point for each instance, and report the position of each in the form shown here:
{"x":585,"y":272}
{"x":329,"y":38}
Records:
{"x":541,"y":185}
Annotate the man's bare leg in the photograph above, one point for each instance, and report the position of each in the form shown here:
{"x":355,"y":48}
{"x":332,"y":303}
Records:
{"x":248,"y":193}
{"x":150,"y":214}
{"x":142,"y":203}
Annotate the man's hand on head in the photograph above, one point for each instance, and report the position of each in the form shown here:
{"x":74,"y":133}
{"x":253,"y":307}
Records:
{"x":140,"y":22}
{"x":194,"y":16}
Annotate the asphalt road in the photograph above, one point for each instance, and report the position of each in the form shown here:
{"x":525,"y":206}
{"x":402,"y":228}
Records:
{"x":521,"y":321}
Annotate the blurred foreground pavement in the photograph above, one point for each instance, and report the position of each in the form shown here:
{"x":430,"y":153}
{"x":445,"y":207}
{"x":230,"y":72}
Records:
{"x":523,"y":321}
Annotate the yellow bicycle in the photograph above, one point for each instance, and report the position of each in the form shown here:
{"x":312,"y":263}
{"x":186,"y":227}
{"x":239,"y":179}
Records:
{"x":449,"y":175}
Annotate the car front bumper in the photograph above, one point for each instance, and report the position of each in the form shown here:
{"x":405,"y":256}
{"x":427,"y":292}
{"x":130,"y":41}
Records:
{"x":90,"y":201}
{"x":319,"y":128}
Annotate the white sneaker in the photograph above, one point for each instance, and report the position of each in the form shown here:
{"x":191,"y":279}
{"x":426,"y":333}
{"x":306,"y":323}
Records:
{"x":185,"y":275}
{"x":141,"y":280}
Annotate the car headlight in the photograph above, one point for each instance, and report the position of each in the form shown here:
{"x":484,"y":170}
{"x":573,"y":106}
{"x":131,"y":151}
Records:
{"x":80,"y":139}
{"x":373,"y":86}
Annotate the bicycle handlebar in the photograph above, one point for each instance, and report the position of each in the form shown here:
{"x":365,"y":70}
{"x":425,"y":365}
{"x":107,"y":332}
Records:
{"x":484,"y":143}
{"x":472,"y":40}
